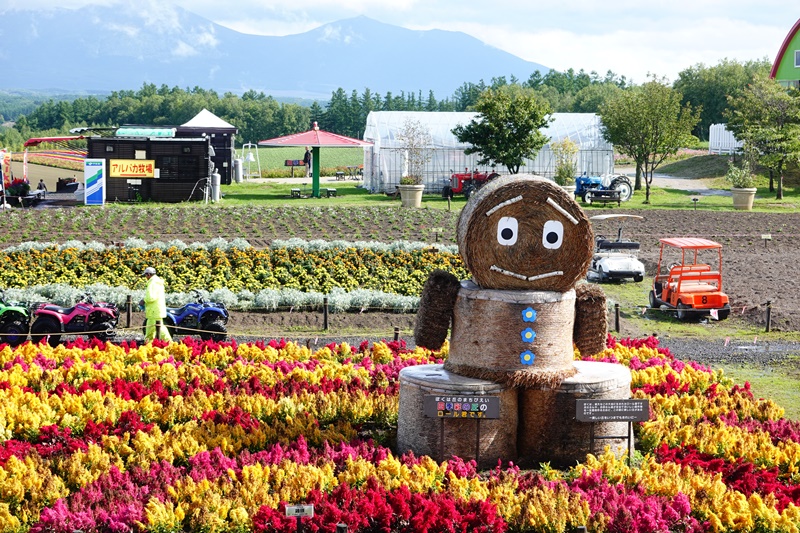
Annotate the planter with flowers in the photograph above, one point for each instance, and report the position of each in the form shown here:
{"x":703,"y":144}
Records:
{"x":743,"y":187}
{"x":416,"y":141}
{"x":16,"y":191}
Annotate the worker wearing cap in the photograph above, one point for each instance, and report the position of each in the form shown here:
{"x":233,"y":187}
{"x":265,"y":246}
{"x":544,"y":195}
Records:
{"x":155,"y":307}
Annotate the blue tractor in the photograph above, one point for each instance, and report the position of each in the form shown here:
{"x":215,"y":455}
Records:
{"x":605,"y":186}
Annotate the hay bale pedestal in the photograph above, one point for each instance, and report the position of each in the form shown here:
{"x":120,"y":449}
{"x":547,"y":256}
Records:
{"x":548,"y":428}
{"x":486,"y":440}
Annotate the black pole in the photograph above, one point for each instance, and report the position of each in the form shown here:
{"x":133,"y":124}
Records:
{"x":325,"y":313}
{"x":128,"y":311}
{"x":616,"y":317}
{"x":299,"y":526}
{"x":341,"y":528}
{"x":396,"y":333}
{"x":769,"y":315}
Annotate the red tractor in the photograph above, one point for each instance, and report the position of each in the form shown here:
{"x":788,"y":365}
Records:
{"x":467,"y":182}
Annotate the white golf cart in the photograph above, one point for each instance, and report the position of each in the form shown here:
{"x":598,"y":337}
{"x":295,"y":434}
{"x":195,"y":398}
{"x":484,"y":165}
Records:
{"x":615,"y":260}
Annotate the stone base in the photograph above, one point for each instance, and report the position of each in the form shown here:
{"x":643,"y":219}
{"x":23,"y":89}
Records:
{"x":485,"y":440}
{"x":548,"y":429}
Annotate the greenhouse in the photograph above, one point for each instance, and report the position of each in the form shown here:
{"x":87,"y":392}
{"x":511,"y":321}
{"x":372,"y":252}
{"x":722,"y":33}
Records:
{"x":386,"y":161}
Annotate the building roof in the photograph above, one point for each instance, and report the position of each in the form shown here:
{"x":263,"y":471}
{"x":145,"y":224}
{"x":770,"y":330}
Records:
{"x":315,"y":137}
{"x":208,"y":120}
{"x":782,"y":51}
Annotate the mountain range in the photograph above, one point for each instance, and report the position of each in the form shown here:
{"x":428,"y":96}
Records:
{"x":96,"y":49}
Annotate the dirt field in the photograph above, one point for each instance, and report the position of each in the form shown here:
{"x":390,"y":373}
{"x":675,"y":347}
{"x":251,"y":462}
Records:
{"x":753,"y":272}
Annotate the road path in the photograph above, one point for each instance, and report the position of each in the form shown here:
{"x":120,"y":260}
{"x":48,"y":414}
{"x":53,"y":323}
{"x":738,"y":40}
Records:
{"x":694,"y":185}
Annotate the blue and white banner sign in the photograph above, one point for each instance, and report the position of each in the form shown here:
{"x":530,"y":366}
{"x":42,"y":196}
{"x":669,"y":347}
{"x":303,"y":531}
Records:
{"x":94,"y":173}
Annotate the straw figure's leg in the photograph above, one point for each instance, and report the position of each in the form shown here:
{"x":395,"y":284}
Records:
{"x":436,"y":309}
{"x":591,"y":321}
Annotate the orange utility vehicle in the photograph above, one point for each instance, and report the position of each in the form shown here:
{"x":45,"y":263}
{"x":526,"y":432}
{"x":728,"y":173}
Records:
{"x":690,"y":287}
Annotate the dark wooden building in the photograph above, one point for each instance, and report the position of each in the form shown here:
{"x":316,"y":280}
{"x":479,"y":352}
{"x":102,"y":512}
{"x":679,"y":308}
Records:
{"x":161,"y":169}
{"x":222,"y":136}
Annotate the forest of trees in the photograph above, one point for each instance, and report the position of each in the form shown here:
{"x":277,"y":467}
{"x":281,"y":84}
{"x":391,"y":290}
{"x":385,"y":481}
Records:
{"x":259,"y":116}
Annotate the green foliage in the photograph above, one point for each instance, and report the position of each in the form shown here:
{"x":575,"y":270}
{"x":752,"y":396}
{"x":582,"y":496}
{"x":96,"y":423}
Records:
{"x":767,"y":118}
{"x":507,"y":130}
{"x":740,"y":177}
{"x":564,"y":152}
{"x":649,"y":124}
{"x":707,"y":87}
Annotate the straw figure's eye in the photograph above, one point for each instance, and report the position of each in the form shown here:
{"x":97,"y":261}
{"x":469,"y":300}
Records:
{"x":553,"y":235}
{"x":507,"y":231}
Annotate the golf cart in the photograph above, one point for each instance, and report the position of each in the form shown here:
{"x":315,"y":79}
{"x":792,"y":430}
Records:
{"x":615,"y":260}
{"x":687,"y":285}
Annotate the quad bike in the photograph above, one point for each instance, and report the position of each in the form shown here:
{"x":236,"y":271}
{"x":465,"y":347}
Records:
{"x":95,"y":319}
{"x":466,"y":182}
{"x":14,"y":322}
{"x":201,"y":317}
{"x":588,"y":186}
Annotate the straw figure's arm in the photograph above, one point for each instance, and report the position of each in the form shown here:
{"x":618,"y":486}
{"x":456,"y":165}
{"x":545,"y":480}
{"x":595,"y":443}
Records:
{"x":591,"y":321}
{"x":436,"y":309}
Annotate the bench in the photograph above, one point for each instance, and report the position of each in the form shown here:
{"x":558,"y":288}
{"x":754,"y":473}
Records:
{"x":339,"y":175}
{"x":293,"y":163}
{"x":603,"y":195}
{"x":295,"y":193}
{"x":330,"y":193}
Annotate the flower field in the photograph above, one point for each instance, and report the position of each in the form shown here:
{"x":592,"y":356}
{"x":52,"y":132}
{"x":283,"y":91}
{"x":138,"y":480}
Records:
{"x":221,"y":437}
{"x":238,"y":268}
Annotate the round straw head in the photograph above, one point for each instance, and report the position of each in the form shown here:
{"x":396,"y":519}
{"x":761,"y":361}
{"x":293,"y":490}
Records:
{"x":524,"y":232}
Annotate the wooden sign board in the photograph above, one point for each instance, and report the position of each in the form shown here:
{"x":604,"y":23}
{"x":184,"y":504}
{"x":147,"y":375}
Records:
{"x":456,"y":406}
{"x":612,"y":410}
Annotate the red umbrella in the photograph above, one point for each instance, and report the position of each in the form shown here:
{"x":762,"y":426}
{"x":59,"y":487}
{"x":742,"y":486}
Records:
{"x":315,"y":138}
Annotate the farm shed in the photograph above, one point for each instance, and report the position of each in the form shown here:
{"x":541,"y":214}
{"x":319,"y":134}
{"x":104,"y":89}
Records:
{"x":786,"y":68}
{"x":144,"y":165}
{"x":385,"y":162}
{"x":222,"y":136}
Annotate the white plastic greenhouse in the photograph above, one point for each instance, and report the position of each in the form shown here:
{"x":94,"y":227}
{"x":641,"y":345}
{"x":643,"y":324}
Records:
{"x":385,"y":161}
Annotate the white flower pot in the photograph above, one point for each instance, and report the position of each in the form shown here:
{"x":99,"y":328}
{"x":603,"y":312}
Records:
{"x":411,"y":195}
{"x":743,"y":198}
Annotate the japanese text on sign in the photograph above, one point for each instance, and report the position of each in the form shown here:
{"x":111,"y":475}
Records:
{"x":452,"y":406}
{"x":612,"y":410}
{"x":132,"y":168}
{"x":300,"y":510}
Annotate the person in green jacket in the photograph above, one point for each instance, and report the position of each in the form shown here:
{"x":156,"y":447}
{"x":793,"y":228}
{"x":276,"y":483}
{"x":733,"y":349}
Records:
{"x":155,"y":307}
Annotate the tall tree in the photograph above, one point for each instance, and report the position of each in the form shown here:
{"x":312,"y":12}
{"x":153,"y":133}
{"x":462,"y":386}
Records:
{"x":767,"y":117}
{"x":709,"y":88}
{"x":506,"y":131}
{"x":648,"y":124}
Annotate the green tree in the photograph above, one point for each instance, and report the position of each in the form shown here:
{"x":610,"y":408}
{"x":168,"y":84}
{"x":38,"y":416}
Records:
{"x":767,"y":118}
{"x":709,"y":88}
{"x":590,"y":98}
{"x":506,"y":131}
{"x":648,"y":123}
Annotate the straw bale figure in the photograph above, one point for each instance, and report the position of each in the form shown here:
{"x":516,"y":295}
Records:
{"x":527,"y":245}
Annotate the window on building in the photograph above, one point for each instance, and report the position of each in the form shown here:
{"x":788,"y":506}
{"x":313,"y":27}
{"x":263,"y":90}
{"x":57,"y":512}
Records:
{"x":797,"y":58}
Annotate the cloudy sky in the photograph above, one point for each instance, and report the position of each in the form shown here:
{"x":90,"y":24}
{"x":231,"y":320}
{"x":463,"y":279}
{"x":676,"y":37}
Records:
{"x":632,"y":38}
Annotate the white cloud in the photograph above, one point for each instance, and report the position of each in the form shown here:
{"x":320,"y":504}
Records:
{"x":629,"y":37}
{"x":183,"y":49}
